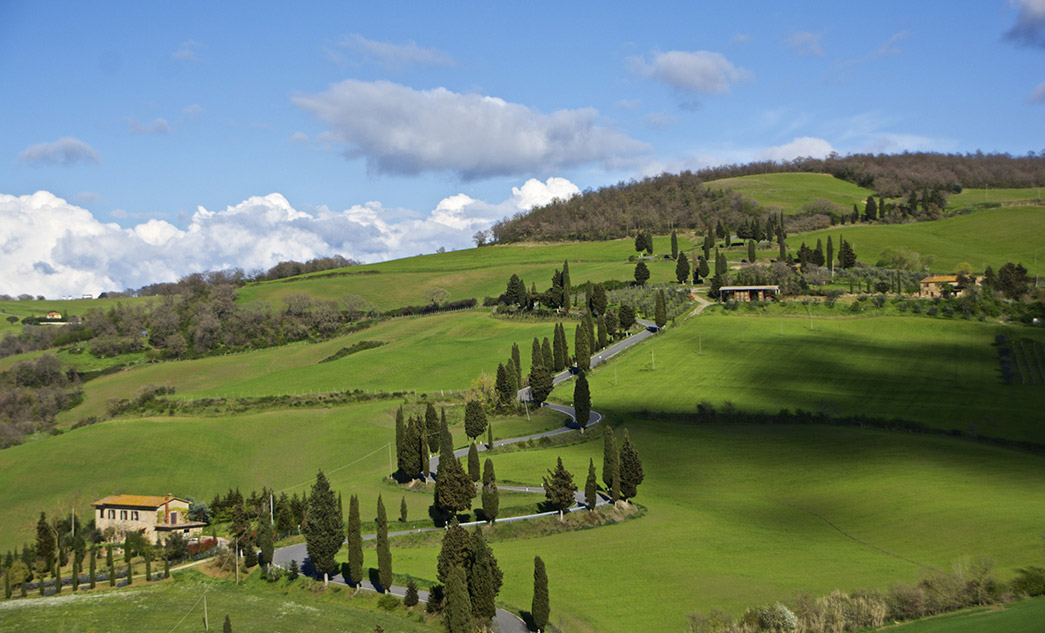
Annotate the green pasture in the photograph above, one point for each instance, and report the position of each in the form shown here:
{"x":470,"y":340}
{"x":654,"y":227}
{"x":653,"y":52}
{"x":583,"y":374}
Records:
{"x":423,"y":354}
{"x":945,"y":375}
{"x":973,"y":198}
{"x":471,"y":273}
{"x":201,"y":456}
{"x":789,"y":192}
{"x":738,"y":516}
{"x":253,"y":606}
{"x":985,"y":238}
{"x":1019,"y":616}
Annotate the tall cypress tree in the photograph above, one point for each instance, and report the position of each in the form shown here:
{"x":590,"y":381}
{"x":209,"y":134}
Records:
{"x":591,"y":486}
{"x":540,"y":607}
{"x":384,"y":552}
{"x":631,"y":474}
{"x":432,"y":428}
{"x":559,"y":489}
{"x":603,"y":338}
{"x":265,"y":538}
{"x":484,"y":578}
{"x":818,"y":253}
{"x":473,"y":462}
{"x":412,"y":449}
{"x":641,"y":273}
{"x":403,"y":509}
{"x":454,"y":489}
{"x":491,"y":500}
{"x":546,"y":353}
{"x":660,"y":312}
{"x":474,"y":419}
{"x":682,"y":268}
{"x":540,"y":376}
{"x":458,"y":616}
{"x":830,"y":257}
{"x":503,"y":386}
{"x":516,"y":359}
{"x":355,"y":542}
{"x":93,"y":568}
{"x":703,"y":269}
{"x":751,"y":253}
{"x":558,"y":356}
{"x":455,"y":551}
{"x":401,"y":447}
{"x":324,"y":527}
{"x":581,"y":401}
{"x":567,"y":291}
{"x":675,"y":247}
{"x":609,"y":455}
{"x":582,"y":347}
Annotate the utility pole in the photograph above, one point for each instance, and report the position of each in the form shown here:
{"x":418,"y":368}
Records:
{"x":272,"y":516}
{"x":236,"y":541}
{"x":206,"y":624}
{"x":390,"y":469}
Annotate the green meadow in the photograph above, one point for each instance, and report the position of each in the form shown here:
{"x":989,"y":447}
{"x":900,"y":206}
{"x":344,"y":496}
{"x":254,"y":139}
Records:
{"x":789,"y":192}
{"x":985,"y":238}
{"x":973,"y":198}
{"x":471,"y":273}
{"x":1022,"y":615}
{"x":942,"y":374}
{"x":745,"y":515}
{"x":177,"y":606}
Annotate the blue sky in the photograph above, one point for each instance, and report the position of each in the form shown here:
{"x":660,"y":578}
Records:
{"x":391,"y":130}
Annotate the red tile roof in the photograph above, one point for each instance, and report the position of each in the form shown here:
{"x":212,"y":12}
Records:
{"x":135,"y":501}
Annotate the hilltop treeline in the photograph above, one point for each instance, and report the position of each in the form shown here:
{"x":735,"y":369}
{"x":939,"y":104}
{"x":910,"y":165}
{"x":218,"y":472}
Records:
{"x":682,"y":200}
{"x":31,"y":394}
{"x":237,"y":277}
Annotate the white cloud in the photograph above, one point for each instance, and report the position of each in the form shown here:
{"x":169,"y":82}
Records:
{"x":65,"y":151}
{"x":660,"y":120}
{"x":700,"y":72}
{"x":158,"y":126}
{"x":193,"y":111}
{"x":186,"y":51}
{"x":405,"y":131}
{"x":55,"y":248}
{"x":800,"y":147}
{"x":88,"y":196}
{"x":739,"y":38}
{"x":806,"y":44}
{"x":396,"y":56}
{"x":1029,"y":29}
{"x":1038,"y":94}
{"x":298,"y":137}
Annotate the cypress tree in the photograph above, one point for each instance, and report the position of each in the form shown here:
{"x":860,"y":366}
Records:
{"x":649,"y":242}
{"x":444,"y":432}
{"x":675,"y":247}
{"x":751,"y":254}
{"x":567,"y":291}
{"x":431,"y":428}
{"x":489,"y":435}
{"x":540,"y":607}
{"x":384,"y":553}
{"x":266,"y":542}
{"x":721,"y":265}
{"x":591,"y":486}
{"x":414,"y":447}
{"x":609,"y":456}
{"x":484,"y":579}
{"x":324,"y":527}
{"x":830,"y":257}
{"x":474,"y":419}
{"x":603,"y":336}
{"x":546,"y":353}
{"x":709,"y":241}
{"x":871,"y":209}
{"x":559,"y":489}
{"x":627,"y":316}
{"x":782,"y":243}
{"x":422,"y":450}
{"x":599,"y":300}
{"x":582,"y":347}
{"x":704,"y":268}
{"x":402,"y":509}
{"x":503,"y":386}
{"x":558,"y":357}
{"x":631,"y":474}
{"x":641,"y":273}
{"x":513,"y":379}
{"x":682,"y":268}
{"x":227,"y":627}
{"x":473,"y":462}
{"x":355,"y":542}
{"x":640,"y":242}
{"x":411,"y":598}
{"x":458,"y":616}
{"x":454,"y":489}
{"x":93,"y":568}
{"x":401,"y":447}
{"x":491,"y":501}
{"x":111,"y":565}
{"x":581,"y":401}
{"x":454,"y":552}
{"x":589,"y":330}
{"x":660,"y":312}
{"x":45,"y":546}
{"x":540,"y":376}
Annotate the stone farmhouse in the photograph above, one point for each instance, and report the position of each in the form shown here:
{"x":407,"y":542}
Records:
{"x":934,"y":285}
{"x":155,"y":517}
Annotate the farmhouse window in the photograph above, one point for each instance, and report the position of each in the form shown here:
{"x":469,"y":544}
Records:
{"x":174,"y":518}
{"x":112,"y":513}
{"x":123,"y":515}
{"x":134,"y":515}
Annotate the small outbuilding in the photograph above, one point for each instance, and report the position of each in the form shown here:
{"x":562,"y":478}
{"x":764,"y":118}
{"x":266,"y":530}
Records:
{"x":748,"y":293}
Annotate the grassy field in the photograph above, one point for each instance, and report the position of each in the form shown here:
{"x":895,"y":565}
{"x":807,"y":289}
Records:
{"x":738,"y":517}
{"x":973,"y":198}
{"x":941,"y":374}
{"x":789,"y":192}
{"x":201,"y":456}
{"x":471,"y":273}
{"x":72,"y":307}
{"x":1020,"y":616}
{"x":985,"y":238}
{"x":423,"y":354}
{"x":254,"y":606}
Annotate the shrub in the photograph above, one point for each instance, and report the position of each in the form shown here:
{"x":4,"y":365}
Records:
{"x":906,"y":602}
{"x":1029,"y":581}
{"x":388,"y":602}
{"x":776,"y":618}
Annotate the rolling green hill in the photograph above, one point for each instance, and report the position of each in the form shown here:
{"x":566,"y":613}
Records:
{"x":974,"y":198}
{"x":985,"y":238}
{"x":789,"y":192}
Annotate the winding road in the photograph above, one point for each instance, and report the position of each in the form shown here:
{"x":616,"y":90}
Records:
{"x":506,"y":621}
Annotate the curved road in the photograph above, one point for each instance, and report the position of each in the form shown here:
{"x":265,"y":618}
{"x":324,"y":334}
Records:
{"x":507,"y":622}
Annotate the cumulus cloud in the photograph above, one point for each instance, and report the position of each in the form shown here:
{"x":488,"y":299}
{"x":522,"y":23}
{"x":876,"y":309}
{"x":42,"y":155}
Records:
{"x":88,"y":196}
{"x":806,"y":44}
{"x":298,"y":137}
{"x":404,"y":131}
{"x":186,"y":51}
{"x":695,"y":72}
{"x":158,"y":126}
{"x":1029,"y":29}
{"x":66,"y":151}
{"x":799,"y":147}
{"x":55,"y":248}
{"x":396,"y":56}
{"x":1038,"y":94}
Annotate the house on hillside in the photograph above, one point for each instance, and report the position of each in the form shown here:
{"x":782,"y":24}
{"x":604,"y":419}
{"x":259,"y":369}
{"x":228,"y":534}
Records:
{"x":935,"y":285}
{"x":155,"y":517}
{"x":54,"y":316}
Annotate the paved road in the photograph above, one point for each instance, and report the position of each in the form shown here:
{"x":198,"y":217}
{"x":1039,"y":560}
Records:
{"x":506,"y":621}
